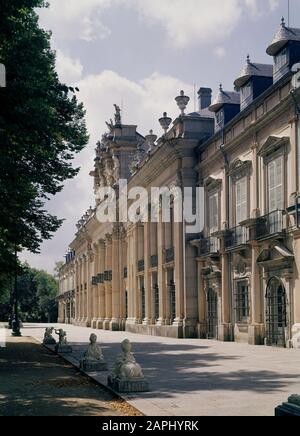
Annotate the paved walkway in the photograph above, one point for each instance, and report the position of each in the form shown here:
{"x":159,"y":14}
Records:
{"x":199,"y":377}
{"x":35,"y":382}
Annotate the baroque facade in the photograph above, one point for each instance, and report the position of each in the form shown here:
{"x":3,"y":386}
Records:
{"x":238,"y":279}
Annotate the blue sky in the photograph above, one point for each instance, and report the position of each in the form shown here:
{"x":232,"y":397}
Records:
{"x":140,"y":54}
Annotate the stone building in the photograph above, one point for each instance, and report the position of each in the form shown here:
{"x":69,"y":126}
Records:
{"x":238,"y":279}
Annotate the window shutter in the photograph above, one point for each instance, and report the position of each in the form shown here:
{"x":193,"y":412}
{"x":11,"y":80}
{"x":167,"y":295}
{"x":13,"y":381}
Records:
{"x":241,"y":200}
{"x":276,"y":185}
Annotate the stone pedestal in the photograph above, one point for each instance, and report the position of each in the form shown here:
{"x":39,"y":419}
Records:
{"x":93,"y":366}
{"x":291,"y":408}
{"x":256,"y":334}
{"x":49,"y":342}
{"x":63,"y":349}
{"x":225,"y":332}
{"x":128,"y":386}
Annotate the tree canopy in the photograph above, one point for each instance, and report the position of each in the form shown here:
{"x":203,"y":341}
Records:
{"x":42,"y":127}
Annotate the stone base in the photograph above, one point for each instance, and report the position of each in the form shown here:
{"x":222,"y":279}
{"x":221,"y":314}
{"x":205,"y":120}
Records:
{"x":295,"y":342}
{"x":99,"y":325}
{"x":114,"y":325}
{"x":128,"y":386}
{"x":49,"y":342}
{"x":291,"y":408}
{"x":63,"y":349}
{"x":93,"y":367}
{"x":168,"y":331}
{"x":256,"y":334}
{"x":226,"y":333}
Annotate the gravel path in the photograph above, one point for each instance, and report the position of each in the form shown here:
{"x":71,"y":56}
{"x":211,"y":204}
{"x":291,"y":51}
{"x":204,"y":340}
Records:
{"x":35,"y":382}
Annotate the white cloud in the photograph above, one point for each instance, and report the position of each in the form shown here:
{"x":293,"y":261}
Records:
{"x":186,"y":22}
{"x":220,"y":52}
{"x":69,"y":70}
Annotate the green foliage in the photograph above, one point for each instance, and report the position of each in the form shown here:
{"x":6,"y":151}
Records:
{"x":42,"y":127}
{"x":37,"y":292}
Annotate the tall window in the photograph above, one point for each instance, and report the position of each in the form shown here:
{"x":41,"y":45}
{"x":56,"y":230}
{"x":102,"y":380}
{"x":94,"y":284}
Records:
{"x":281,"y":59}
{"x":156,"y":302}
{"x":276,"y":184}
{"x":213,"y":212}
{"x":220,"y":118}
{"x":126,"y":304}
{"x":242,"y":308}
{"x":241,"y":200}
{"x":246,"y":92}
{"x":143,"y":302}
{"x":172,"y":290}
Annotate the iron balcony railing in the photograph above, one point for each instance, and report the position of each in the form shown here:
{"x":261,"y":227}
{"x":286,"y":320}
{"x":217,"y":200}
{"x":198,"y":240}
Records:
{"x":209,"y":246}
{"x":154,"y":261}
{"x":141,"y":265}
{"x":269,"y":225}
{"x":170,"y":255}
{"x":236,"y":237}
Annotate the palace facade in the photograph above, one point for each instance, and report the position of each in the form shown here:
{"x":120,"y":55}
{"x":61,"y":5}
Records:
{"x":238,"y":279}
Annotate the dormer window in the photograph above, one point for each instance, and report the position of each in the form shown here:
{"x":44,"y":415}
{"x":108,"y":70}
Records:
{"x":246,"y":95}
{"x":220,"y":119}
{"x":281,"y":60}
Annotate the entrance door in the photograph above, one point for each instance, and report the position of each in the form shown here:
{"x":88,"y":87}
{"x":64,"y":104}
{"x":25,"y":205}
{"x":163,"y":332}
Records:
{"x":276,"y":317}
{"x":212,"y":314}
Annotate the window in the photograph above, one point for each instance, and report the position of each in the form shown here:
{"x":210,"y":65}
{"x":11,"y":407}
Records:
{"x":126,"y":304}
{"x":241,"y":200}
{"x":276,"y":184}
{"x":281,"y":59}
{"x":220,"y":118}
{"x":172,"y":290}
{"x":156,"y":302}
{"x":143,"y":302}
{"x":242,"y":302}
{"x":213,"y":212}
{"x":246,"y":92}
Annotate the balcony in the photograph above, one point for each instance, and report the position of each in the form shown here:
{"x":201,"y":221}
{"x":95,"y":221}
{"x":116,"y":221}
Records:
{"x":141,"y":265}
{"x":209,"y":246}
{"x":236,"y":237}
{"x":108,"y":276}
{"x":154,"y":261}
{"x":170,"y":255}
{"x":270,"y":225}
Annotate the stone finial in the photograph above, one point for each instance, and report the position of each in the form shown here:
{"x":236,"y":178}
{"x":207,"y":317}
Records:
{"x":93,"y":359}
{"x":165,"y":122}
{"x":221,"y":87}
{"x":283,"y":22}
{"x":182,"y":102}
{"x":127,"y":375}
{"x":150,"y":139}
{"x":248,"y":59}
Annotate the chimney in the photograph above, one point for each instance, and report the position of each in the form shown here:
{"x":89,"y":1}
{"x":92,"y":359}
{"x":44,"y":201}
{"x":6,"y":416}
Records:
{"x":204,"y":98}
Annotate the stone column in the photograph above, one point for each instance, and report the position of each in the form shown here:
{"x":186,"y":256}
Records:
{"x":101,"y":286}
{"x":256,"y":332}
{"x":94,"y":288}
{"x":108,"y":284}
{"x":147,"y":277}
{"x":225,"y":329}
{"x":81,"y":287}
{"x":202,"y":301}
{"x":178,"y":273}
{"x":123,"y":286}
{"x":116,"y":262}
{"x":161,"y":272}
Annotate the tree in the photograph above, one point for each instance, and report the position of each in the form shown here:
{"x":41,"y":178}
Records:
{"x":42,"y":127}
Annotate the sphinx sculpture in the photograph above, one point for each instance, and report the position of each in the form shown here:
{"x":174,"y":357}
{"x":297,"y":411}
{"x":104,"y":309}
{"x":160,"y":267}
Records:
{"x":127,"y":375}
{"x":93,"y":359}
{"x":62,"y":346}
{"x":48,"y":338}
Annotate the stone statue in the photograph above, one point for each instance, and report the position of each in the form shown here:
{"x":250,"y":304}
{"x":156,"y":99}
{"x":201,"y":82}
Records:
{"x":48,"y":338}
{"x":62,"y":346}
{"x":127,"y":375}
{"x":118,"y":120}
{"x":93,"y":359}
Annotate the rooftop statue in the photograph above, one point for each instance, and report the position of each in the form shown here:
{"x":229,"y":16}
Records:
{"x":118,"y":120}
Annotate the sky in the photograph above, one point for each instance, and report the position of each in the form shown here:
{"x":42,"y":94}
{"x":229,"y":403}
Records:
{"x":139,"y":54}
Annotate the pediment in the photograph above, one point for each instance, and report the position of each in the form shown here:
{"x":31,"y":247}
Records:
{"x":239,"y":167}
{"x":212,"y":184}
{"x":272,"y":144}
{"x":275,"y":256}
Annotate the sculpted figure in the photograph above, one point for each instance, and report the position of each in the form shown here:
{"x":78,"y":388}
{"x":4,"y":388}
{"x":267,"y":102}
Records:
{"x":117,"y":115}
{"x":62,"y":335}
{"x":48,"y":338}
{"x":126,"y":365}
{"x":93,"y":359}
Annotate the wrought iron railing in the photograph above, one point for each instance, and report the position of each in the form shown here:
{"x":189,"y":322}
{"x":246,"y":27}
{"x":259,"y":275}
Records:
{"x":209,"y":246}
{"x":170,"y":255}
{"x":270,"y":224}
{"x":236,"y":237}
{"x":141,"y":265}
{"x":154,"y":261}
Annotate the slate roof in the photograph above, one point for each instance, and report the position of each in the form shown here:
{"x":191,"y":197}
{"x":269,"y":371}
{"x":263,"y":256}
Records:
{"x":284,"y":35}
{"x":203,"y":113}
{"x":253,"y":70}
{"x":224,"y":97}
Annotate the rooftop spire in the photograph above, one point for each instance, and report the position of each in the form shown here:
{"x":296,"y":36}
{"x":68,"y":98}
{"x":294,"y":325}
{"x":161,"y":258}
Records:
{"x":248,"y":59}
{"x":283,"y":22}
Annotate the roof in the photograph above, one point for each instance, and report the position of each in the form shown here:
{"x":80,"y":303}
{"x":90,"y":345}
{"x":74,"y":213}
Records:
{"x":224,"y":97}
{"x":203,"y":113}
{"x":282,"y":37}
{"x":253,"y":70}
